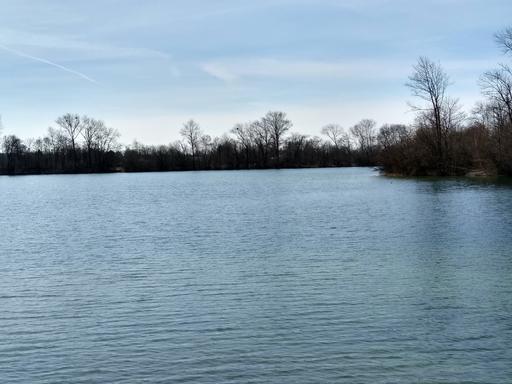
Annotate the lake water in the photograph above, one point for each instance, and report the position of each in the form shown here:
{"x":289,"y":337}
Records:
{"x":292,"y":276}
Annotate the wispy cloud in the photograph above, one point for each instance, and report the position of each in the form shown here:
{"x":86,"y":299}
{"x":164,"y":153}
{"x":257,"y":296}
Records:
{"x":48,"y":62}
{"x":74,"y":46}
{"x":230,"y":70}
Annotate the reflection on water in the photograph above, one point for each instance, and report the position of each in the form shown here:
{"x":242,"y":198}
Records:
{"x":327,"y":275}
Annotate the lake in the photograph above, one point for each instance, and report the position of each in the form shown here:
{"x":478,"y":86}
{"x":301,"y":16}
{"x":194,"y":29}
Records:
{"x":285,"y":276}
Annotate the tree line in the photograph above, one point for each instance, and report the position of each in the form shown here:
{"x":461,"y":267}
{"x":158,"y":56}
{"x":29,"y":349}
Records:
{"x":81,"y":144}
{"x":442,"y":140}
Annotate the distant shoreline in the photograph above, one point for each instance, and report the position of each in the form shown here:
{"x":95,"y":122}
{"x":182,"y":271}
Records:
{"x":474,"y":175}
{"x":174,"y":171}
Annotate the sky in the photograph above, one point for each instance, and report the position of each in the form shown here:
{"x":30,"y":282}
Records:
{"x":147,"y":66}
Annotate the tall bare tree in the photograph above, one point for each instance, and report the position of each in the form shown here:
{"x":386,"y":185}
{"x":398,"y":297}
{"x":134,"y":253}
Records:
{"x":277,"y":124}
{"x":106,"y":141}
{"x":365,"y":134}
{"x":429,"y":83}
{"x":191,"y":132}
{"x":13,"y":148}
{"x":245,"y":134}
{"x":71,"y":124}
{"x":263,"y":139}
{"x":90,"y":131}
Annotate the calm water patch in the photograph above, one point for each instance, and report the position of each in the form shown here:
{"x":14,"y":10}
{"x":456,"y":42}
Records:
{"x":293,"y":276}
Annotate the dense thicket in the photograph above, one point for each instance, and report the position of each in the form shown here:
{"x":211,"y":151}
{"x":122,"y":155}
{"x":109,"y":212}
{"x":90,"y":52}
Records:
{"x":442,"y":140}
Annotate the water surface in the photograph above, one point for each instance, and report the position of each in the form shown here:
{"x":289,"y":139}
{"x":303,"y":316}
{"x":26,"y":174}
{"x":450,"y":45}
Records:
{"x":292,"y":276}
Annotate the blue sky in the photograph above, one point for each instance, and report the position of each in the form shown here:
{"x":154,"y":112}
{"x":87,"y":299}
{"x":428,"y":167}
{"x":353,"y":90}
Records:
{"x":147,"y":66}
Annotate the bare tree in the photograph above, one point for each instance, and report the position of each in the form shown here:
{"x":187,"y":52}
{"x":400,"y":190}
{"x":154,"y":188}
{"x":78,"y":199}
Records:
{"x":277,"y":124}
{"x":394,"y":142}
{"x":497,"y":86}
{"x":72,"y":126}
{"x":13,"y":148}
{"x":365,"y":134}
{"x":90,"y":130}
{"x":106,"y":141}
{"x":429,"y":83}
{"x":29,"y":144}
{"x":205,"y":142}
{"x":57,"y":143}
{"x":191,"y":132}
{"x":452,"y":117}
{"x":178,"y":146}
{"x":339,"y":138}
{"x":504,"y":39}
{"x":245,"y":134}
{"x":295,"y":147}
{"x":205,"y":147}
{"x":56,"y":140}
{"x":392,"y":134}
{"x":263,"y":139}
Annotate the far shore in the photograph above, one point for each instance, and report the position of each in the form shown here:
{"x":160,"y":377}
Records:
{"x":477,"y":174}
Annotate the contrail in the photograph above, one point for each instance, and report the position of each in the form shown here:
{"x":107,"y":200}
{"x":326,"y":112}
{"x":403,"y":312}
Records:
{"x":48,"y":62}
